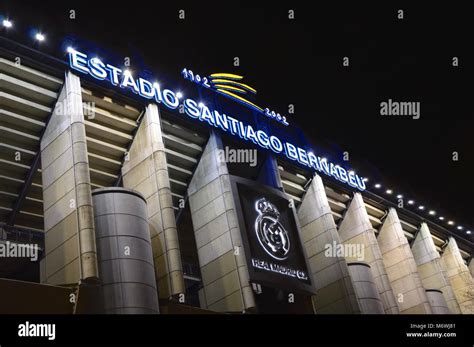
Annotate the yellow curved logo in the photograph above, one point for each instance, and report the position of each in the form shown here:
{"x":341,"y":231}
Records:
{"x":230,"y":85}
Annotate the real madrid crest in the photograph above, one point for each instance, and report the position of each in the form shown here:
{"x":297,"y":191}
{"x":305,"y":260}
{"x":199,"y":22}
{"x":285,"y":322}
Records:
{"x":271,"y":234}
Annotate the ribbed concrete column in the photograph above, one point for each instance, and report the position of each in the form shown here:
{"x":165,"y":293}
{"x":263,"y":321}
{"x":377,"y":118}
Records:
{"x":225,"y":276}
{"x":128,"y":279}
{"x":146,"y":171}
{"x":356,"y":230}
{"x":437,"y":302}
{"x":459,"y":277}
{"x":401,"y":267}
{"x":365,"y":288}
{"x":335,"y":289}
{"x":430,"y":268}
{"x":67,"y":201}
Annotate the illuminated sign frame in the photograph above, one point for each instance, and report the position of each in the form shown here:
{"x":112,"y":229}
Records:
{"x":291,"y":272}
{"x":99,"y":70}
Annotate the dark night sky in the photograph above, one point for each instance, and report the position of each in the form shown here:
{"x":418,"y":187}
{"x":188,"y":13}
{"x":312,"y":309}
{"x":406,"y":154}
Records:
{"x":300,"y":62}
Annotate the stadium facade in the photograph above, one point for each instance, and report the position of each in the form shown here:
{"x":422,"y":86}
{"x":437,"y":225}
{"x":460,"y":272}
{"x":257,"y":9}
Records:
{"x":129,"y":190}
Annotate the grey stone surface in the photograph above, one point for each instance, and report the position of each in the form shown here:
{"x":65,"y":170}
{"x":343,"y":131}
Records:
{"x":401,"y":267}
{"x":127,"y":270}
{"x":335,"y":291}
{"x":366,"y":289}
{"x":459,"y":277}
{"x":356,"y":229}
{"x":430,"y":267}
{"x":125,"y":253}
{"x":147,"y":172}
{"x":437,"y":302}
{"x":227,"y":288}
{"x":66,"y":190}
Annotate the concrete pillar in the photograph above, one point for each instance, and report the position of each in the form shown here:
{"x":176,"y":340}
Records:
{"x":365,"y":288}
{"x":225,"y":276}
{"x":401,"y":267}
{"x":126,"y":266}
{"x":459,"y":277}
{"x":145,"y":170}
{"x":430,"y":268}
{"x":471,"y":267}
{"x":437,"y":302}
{"x":70,"y":246}
{"x":355,"y":230}
{"x":335,"y":289}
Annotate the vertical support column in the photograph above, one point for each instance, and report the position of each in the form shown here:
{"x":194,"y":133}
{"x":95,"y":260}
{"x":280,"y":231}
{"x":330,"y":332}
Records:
{"x":71,"y":253}
{"x":430,"y":268}
{"x":365,"y":288}
{"x":335,"y":289}
{"x":459,"y":277}
{"x":146,"y":171}
{"x":224,"y":270}
{"x":401,"y":267}
{"x":127,"y":278}
{"x":471,"y":267}
{"x":356,"y":231}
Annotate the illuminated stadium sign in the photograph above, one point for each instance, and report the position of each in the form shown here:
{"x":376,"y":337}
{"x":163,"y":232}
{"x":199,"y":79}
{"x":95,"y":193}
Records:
{"x":270,"y":236}
{"x":230,"y":85}
{"x":94,"y":67}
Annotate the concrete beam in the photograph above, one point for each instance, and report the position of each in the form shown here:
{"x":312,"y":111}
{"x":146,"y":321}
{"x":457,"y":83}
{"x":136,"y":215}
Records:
{"x":291,"y":177}
{"x":105,"y":149}
{"x":115,"y":137}
{"x":108,"y":119}
{"x":180,"y":159}
{"x":21,"y":123}
{"x":30,"y":75}
{"x":181,"y":145}
{"x":27,"y":90}
{"x":183,"y":133}
{"x":107,"y":104}
{"x":24,"y":106}
{"x":293,"y":188}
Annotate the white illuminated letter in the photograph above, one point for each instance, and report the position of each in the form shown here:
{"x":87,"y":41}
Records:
{"x":170,"y":99}
{"x":191,"y":109}
{"x":128,"y":81}
{"x":145,"y":88}
{"x":113,"y":74}
{"x":78,"y":61}
{"x":97,"y":69}
{"x":290,"y":151}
